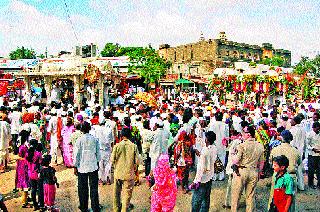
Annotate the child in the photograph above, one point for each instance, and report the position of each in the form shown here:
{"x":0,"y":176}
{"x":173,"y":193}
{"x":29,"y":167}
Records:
{"x":283,"y":194}
{"x":22,"y":179}
{"x":34,"y":159}
{"x":47,"y":176}
{"x":164,"y":191}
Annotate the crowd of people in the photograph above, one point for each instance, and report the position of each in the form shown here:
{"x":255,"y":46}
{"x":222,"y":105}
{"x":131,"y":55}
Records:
{"x":190,"y":133}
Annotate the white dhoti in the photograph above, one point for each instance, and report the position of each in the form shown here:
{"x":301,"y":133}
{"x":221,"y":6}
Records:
{"x":4,"y":156}
{"x":54,"y":147}
{"x":154,"y":161}
{"x":104,"y":166}
{"x":222,"y":156}
{"x":300,"y":177}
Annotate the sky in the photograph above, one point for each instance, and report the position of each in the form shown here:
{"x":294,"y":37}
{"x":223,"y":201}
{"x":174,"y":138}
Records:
{"x":39,"y":24}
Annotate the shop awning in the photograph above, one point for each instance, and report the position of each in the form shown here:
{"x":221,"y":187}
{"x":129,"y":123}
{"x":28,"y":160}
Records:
{"x":183,"y":81}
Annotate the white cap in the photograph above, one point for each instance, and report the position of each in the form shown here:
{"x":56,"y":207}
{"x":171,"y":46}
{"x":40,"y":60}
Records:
{"x":132,"y":110}
{"x":160,"y":122}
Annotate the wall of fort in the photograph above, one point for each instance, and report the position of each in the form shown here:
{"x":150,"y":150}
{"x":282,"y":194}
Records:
{"x":202,"y":57}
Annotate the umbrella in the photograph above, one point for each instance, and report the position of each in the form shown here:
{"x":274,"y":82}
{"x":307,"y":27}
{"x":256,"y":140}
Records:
{"x":147,"y":98}
{"x":183,"y":81}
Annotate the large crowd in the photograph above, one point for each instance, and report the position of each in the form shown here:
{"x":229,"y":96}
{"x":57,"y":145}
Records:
{"x":190,"y":133}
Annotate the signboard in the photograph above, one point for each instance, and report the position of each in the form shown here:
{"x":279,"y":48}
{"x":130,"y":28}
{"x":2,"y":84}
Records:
{"x":16,"y":64}
{"x":172,"y":76}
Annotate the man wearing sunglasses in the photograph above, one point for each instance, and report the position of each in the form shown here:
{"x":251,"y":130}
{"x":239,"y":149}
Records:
{"x":249,"y":160}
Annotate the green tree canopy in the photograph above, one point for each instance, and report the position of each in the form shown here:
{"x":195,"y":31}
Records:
{"x":148,"y":64}
{"x":110,"y":50}
{"x":115,"y":50}
{"x":311,"y":66}
{"x":22,"y":53}
{"x":276,"y":60}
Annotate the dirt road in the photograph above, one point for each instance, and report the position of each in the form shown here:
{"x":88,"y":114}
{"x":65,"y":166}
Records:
{"x":67,"y":197}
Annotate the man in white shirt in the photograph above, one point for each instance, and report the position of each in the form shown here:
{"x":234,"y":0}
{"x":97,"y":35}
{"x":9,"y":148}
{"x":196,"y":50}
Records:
{"x":119,"y":100}
{"x":205,"y":171}
{"x":159,"y":144}
{"x":52,"y":129}
{"x":55,"y":94}
{"x":5,"y":137}
{"x":299,"y":142}
{"x":221,"y":130}
{"x":86,"y":157}
{"x":15,"y":118}
{"x":313,"y":146}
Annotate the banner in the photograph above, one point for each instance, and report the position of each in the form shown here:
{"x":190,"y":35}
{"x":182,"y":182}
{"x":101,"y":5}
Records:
{"x":3,"y":87}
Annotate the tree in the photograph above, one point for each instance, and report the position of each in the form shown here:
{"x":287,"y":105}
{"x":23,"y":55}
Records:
{"x":311,"y":66}
{"x":316,"y":66}
{"x":41,"y":56}
{"x":304,"y":65}
{"x":110,"y":50}
{"x":148,"y":64}
{"x":115,"y":50}
{"x":22,"y":53}
{"x":276,"y":60}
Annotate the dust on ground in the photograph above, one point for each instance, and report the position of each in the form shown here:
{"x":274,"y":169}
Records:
{"x":67,"y":195}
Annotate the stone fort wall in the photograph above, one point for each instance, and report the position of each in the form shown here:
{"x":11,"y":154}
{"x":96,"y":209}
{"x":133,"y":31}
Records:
{"x":206,"y":55}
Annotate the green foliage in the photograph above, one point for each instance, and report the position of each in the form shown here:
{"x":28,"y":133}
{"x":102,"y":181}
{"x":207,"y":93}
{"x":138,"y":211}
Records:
{"x":115,"y":50}
{"x":22,"y":53}
{"x":266,"y":61}
{"x":276,"y":60}
{"x":308,"y":88}
{"x":41,"y":56}
{"x":311,"y":66}
{"x":110,"y":50}
{"x":253,"y":64}
{"x":148,"y":64}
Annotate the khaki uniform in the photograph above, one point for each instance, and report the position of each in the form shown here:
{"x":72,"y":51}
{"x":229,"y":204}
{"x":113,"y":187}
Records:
{"x":124,"y":158}
{"x":249,"y":156}
{"x":291,"y":153}
{"x":294,"y":158}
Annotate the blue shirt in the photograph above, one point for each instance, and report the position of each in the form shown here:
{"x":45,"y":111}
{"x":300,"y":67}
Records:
{"x":119,"y":101}
{"x":86,"y":154}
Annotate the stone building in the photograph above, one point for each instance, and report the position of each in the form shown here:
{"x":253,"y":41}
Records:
{"x":202,"y":57}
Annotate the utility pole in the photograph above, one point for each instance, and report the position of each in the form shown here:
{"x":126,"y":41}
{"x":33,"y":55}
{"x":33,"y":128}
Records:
{"x":46,"y":52}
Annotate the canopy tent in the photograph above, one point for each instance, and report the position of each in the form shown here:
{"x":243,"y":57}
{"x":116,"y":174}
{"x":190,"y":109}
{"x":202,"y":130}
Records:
{"x":183,"y":81}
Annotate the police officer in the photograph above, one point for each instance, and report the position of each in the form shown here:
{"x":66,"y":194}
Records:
{"x":249,"y":159}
